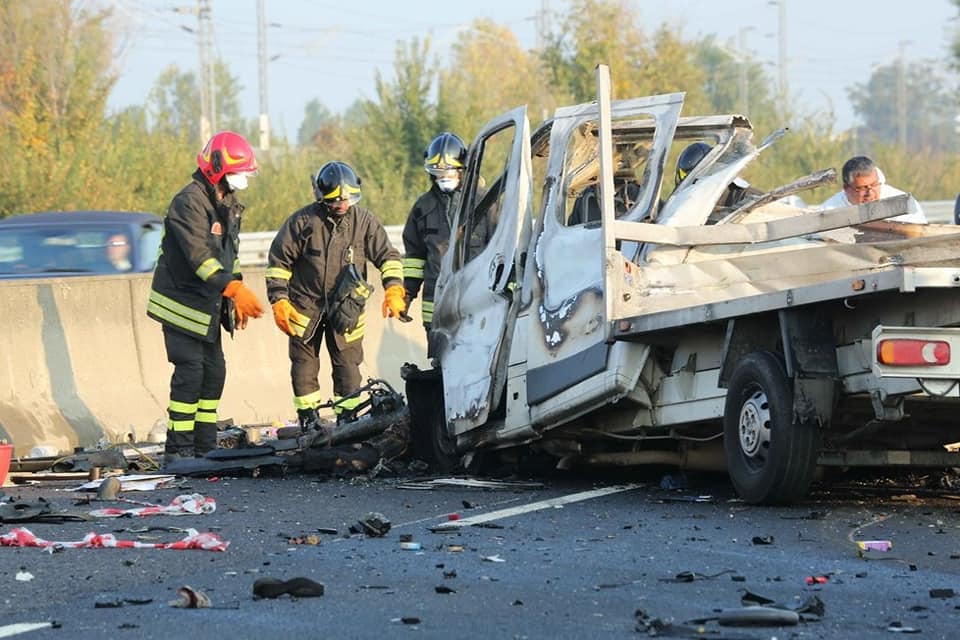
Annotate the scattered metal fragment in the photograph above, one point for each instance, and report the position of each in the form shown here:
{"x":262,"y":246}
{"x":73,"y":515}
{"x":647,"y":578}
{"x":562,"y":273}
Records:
{"x":942,"y":593}
{"x":760,"y":540}
{"x":444,"y":589}
{"x":374,"y":524}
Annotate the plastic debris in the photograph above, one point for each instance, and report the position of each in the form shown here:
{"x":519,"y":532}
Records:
{"x":410,"y":546}
{"x":206,"y":541}
{"x":24,"y":576}
{"x":184,"y":505}
{"x":493,"y":558}
{"x":874,"y":545}
{"x":759,"y":540}
{"x":816,"y":579}
{"x":942,"y":593}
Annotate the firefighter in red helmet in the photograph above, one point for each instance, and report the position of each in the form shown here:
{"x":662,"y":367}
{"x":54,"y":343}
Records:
{"x":197,"y":287}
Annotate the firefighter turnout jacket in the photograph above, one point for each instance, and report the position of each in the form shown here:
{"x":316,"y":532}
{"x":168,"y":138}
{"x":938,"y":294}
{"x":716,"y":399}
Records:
{"x":198,"y":259}
{"x":426,"y":238}
{"x":310,"y":251}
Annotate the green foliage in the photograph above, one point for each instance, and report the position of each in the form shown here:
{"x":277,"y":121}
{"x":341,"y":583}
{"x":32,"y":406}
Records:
{"x":65,"y":151}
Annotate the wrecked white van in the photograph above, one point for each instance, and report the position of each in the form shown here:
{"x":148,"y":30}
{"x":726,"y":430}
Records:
{"x":767,"y":340}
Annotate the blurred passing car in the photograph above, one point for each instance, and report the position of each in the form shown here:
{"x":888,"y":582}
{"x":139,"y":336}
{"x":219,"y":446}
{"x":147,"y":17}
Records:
{"x":67,"y":243}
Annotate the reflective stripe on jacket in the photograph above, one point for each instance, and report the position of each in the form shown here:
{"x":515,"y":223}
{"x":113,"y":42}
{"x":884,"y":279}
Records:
{"x":426,"y":238}
{"x":312,"y":247}
{"x":198,"y":258}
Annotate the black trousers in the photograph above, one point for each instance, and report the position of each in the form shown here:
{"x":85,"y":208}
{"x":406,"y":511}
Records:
{"x":345,"y":359}
{"x":199,"y":373}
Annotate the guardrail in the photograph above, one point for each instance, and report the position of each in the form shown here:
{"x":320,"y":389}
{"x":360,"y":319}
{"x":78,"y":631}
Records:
{"x":255,"y":246}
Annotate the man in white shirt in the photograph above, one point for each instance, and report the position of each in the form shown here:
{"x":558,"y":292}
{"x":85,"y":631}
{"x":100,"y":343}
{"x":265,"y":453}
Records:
{"x":864,"y":182}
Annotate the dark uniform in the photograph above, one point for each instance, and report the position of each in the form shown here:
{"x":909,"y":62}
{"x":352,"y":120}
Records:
{"x":198,"y":259}
{"x":308,"y":254}
{"x":426,"y":238}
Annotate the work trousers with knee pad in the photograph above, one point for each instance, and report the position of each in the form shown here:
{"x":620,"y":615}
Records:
{"x":199,"y":373}
{"x":345,"y":359}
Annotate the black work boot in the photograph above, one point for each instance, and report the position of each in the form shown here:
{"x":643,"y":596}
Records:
{"x":179,"y":445}
{"x":204,"y":438}
{"x":309,"y":419}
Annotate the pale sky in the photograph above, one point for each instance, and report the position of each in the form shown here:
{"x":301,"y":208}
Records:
{"x":332,"y":50}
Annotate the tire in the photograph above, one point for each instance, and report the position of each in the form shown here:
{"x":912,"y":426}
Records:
{"x":771,"y":458}
{"x":429,"y":437}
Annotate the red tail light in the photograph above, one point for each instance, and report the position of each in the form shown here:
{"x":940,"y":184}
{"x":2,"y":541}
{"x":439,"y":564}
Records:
{"x":912,"y":353}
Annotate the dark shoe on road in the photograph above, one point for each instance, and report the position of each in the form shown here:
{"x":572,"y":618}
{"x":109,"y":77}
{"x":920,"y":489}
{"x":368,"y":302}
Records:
{"x":296,"y":587}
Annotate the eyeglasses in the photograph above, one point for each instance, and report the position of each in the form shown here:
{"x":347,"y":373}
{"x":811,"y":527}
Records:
{"x":865,"y":189}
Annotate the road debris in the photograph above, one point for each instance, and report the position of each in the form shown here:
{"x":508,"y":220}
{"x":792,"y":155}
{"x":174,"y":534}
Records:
{"x":206,"y":541}
{"x":299,"y":587}
{"x":183,"y":505}
{"x":190,"y":598}
{"x":374,"y":524}
{"x":109,"y":489}
{"x":874,"y":545}
{"x":137,"y":482}
{"x":470,"y":483}
{"x":898,"y":627}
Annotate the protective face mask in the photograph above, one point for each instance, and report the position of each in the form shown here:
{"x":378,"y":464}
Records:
{"x":237,"y":181}
{"x":448,"y":184}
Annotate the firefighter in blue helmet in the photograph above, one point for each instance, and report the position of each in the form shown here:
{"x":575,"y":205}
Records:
{"x":316,"y":282}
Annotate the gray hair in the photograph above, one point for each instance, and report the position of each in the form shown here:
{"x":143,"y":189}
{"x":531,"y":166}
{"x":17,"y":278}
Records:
{"x":856,"y":167}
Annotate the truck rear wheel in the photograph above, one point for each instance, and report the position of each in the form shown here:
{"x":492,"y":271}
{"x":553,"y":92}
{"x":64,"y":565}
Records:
{"x":428,"y":427}
{"x":771,"y":457}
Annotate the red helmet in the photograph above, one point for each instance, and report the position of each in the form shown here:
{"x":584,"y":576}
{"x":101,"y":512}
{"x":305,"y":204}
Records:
{"x":226,"y":152}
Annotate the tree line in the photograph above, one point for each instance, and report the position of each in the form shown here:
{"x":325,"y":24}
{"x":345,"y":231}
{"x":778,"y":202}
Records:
{"x":65,"y":151}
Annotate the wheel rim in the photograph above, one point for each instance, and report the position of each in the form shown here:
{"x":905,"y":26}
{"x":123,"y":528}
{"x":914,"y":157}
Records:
{"x":754,"y":427}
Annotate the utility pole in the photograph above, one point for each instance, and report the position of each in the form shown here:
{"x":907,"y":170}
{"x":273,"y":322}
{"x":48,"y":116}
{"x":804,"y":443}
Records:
{"x":744,"y":79}
{"x":782,"y":91}
{"x":902,"y":97}
{"x":262,"y":61}
{"x":208,"y":88}
{"x":782,"y":62}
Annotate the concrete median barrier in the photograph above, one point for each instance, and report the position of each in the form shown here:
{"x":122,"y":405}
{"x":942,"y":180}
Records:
{"x":82,"y":363}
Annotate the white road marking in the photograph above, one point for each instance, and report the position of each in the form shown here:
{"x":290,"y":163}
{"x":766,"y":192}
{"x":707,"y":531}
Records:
{"x":10,"y":630}
{"x":535,"y":506}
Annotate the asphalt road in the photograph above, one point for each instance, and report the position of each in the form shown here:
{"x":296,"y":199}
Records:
{"x":577,"y":557}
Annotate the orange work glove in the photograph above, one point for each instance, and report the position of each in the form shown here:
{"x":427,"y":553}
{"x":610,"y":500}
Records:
{"x":245,"y":302}
{"x":394,"y":306}
{"x":283,"y":313}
